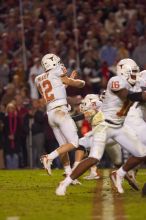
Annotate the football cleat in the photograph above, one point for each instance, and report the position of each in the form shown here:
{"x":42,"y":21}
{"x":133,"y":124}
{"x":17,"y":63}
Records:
{"x":61,"y":189}
{"x":76,"y":182}
{"x":117,"y":181}
{"x":92,"y":176}
{"x":132,"y":181}
{"x":46,"y":163}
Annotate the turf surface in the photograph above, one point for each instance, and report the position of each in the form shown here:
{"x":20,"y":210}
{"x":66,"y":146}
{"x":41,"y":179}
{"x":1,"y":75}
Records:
{"x":29,"y":194}
{"x":134,"y":203}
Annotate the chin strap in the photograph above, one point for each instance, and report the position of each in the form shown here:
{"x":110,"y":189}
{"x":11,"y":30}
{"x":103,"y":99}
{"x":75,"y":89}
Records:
{"x":131,"y":81}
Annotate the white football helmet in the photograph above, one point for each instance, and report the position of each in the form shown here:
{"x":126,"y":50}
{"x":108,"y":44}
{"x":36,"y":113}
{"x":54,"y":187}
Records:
{"x":50,"y":61}
{"x":128,"y":69}
{"x":143,"y":79}
{"x":90,"y":102}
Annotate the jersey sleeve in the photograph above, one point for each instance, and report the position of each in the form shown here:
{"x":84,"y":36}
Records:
{"x":38,"y":86}
{"x":143,"y":83}
{"x":116,"y":83}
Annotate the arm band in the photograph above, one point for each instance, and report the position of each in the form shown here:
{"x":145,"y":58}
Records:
{"x":135,"y":97}
{"x":78,"y":117}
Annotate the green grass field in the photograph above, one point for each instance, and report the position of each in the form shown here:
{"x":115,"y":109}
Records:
{"x":29,"y":195}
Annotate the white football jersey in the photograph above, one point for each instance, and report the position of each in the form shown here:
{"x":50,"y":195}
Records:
{"x":51,"y":88}
{"x":141,"y":107}
{"x":137,"y":113}
{"x":113,"y":107}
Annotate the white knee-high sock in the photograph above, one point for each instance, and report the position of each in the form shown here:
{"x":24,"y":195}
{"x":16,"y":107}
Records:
{"x":53,"y":155}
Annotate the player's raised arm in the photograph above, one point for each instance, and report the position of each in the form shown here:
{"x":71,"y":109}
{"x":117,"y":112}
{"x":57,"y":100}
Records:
{"x":73,"y":82}
{"x":124,"y":94}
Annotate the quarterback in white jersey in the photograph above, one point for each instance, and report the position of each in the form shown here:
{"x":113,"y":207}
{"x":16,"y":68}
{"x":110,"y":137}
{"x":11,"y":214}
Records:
{"x":116,"y":104}
{"x":52,"y":86}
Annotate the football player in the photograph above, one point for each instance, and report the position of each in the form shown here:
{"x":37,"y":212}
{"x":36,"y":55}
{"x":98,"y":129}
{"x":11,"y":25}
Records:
{"x":91,"y":107}
{"x":52,"y":86}
{"x":136,"y":119}
{"x":118,"y":100}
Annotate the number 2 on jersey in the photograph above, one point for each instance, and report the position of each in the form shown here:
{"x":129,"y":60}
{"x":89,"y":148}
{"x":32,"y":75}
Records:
{"x":47,"y":89}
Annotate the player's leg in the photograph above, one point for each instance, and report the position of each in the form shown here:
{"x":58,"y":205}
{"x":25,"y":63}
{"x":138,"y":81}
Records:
{"x":114,"y":151}
{"x":64,"y":157}
{"x":68,"y":128}
{"x":81,"y":152}
{"x":79,"y":155}
{"x":84,"y":144}
{"x":61,"y":121}
{"x":66,"y":163}
{"x":139,"y":126}
{"x":83,"y":166}
{"x":93,"y":174}
{"x":96,"y":153}
{"x":140,"y":129}
{"x":128,"y":140}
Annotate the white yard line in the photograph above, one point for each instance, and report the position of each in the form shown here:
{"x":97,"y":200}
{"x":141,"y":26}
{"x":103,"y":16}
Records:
{"x":43,"y":174}
{"x":13,"y":218}
{"x":108,"y":200}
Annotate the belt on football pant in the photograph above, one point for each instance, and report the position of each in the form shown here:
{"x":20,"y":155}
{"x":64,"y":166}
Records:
{"x":111,"y":122}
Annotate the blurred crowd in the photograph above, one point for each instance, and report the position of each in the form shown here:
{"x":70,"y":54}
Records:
{"x":90,"y":37}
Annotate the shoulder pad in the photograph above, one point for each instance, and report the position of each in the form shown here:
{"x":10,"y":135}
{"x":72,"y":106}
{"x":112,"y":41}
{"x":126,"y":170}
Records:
{"x":116,"y":83}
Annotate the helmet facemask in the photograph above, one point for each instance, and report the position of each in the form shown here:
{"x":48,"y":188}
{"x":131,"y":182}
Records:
{"x":90,"y":102}
{"x":128,"y":69}
{"x":133,"y":75}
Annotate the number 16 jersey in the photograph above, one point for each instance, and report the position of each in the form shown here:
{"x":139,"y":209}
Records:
{"x":113,"y":107}
{"x":51,"y":88}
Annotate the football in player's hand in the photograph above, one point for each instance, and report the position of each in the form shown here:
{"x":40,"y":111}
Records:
{"x":144,"y":190}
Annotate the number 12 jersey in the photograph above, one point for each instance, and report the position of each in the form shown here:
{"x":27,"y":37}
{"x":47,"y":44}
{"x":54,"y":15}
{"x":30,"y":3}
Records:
{"x":51,"y":88}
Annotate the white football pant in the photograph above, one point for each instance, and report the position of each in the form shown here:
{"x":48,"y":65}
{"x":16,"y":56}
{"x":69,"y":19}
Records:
{"x":63,"y":126}
{"x":123,"y":135}
{"x":112,"y":148}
